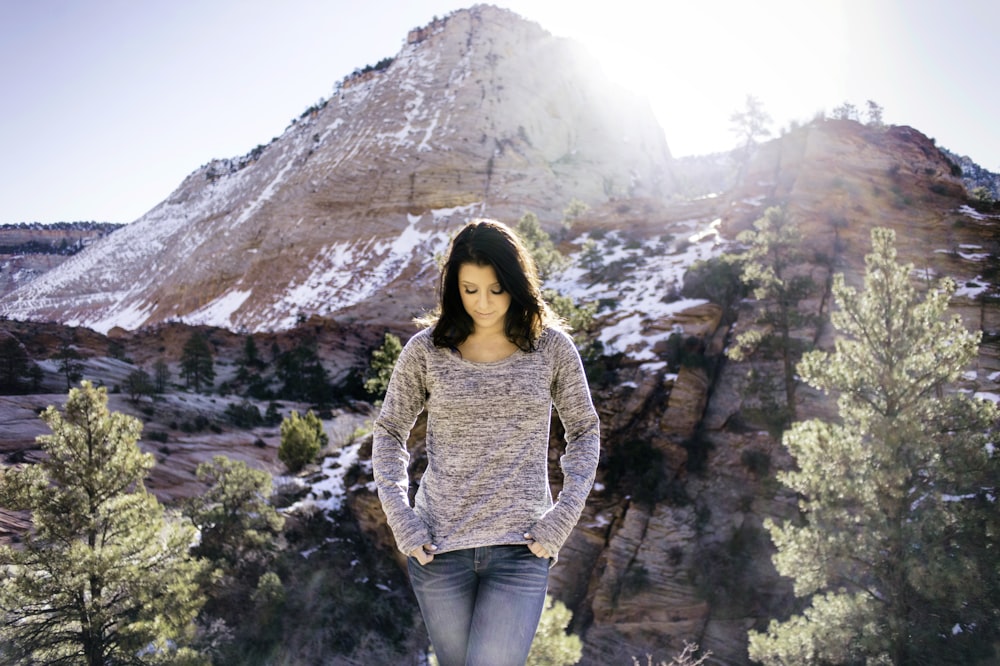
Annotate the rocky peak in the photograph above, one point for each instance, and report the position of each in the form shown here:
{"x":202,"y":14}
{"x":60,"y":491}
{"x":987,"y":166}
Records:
{"x":480,"y":113}
{"x":974,"y":175}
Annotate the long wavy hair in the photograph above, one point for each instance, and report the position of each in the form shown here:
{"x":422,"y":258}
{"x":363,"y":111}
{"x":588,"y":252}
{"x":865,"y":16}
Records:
{"x":486,"y":242}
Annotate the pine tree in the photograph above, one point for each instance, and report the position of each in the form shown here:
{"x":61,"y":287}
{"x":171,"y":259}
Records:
{"x":197,"y":364}
{"x":552,"y":645}
{"x":239,"y":532}
{"x":70,"y":363}
{"x":249,"y":365}
{"x":14,"y":365}
{"x":161,"y":375}
{"x":591,"y":258}
{"x":573,"y":210}
{"x":383,"y":361}
{"x":548,"y":260}
{"x":749,"y":125}
{"x":303,"y":375}
{"x":846,"y":111}
{"x":897,"y":550}
{"x":137,"y":384}
{"x":769,"y":267}
{"x":103,"y":577}
{"x":875,"y":115}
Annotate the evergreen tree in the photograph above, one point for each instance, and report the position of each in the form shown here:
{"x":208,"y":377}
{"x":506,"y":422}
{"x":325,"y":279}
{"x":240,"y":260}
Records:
{"x":272,"y":416}
{"x":303,"y":375}
{"x":537,"y":241}
{"x":161,"y":375}
{"x":579,"y":319}
{"x":573,"y":210}
{"x":897,"y":550}
{"x":552,"y":645}
{"x":874,"y":115}
{"x":250,"y":358}
{"x":749,"y":125}
{"x":239,"y":532}
{"x":302,"y":438}
{"x":846,"y":111}
{"x":14,"y":365}
{"x":70,"y":363}
{"x":137,"y":384}
{"x":197,"y":364}
{"x":248,"y":368}
{"x":383,"y":361}
{"x":590,"y":256}
{"x":768,"y":266}
{"x":116,"y":349}
{"x":103,"y":577}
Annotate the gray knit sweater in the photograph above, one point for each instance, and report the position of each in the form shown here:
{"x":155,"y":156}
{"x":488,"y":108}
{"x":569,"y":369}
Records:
{"x":486,"y":481}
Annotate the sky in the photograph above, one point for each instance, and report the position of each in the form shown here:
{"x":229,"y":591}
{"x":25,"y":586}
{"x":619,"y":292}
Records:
{"x":107,"y":105}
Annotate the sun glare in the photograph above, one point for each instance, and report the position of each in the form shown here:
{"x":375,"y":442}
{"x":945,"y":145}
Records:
{"x":697,"y":62}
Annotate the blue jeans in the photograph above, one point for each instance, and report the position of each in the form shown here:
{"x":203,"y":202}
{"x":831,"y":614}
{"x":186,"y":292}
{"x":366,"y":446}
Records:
{"x":481,"y":606}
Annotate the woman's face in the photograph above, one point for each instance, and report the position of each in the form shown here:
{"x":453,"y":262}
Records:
{"x":483,"y":297}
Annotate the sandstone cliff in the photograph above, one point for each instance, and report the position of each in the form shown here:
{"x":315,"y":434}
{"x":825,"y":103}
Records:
{"x":672,"y":547}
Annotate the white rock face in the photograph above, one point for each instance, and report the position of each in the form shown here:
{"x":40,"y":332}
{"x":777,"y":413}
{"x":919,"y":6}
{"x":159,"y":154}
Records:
{"x":481,"y":113}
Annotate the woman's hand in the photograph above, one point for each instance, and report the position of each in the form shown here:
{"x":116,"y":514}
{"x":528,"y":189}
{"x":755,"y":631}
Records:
{"x":535,"y":547}
{"x":424,"y":554}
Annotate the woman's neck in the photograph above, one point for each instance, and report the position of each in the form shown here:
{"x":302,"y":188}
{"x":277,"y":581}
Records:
{"x":483,"y":346}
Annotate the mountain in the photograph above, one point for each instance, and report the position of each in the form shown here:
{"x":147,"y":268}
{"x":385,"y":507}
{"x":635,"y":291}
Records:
{"x":671,"y":547}
{"x":480,"y":113}
{"x":28,"y":250}
{"x":976,"y":176}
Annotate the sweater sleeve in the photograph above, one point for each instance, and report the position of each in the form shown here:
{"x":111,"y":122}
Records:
{"x":571,"y":397}
{"x":404,"y":400}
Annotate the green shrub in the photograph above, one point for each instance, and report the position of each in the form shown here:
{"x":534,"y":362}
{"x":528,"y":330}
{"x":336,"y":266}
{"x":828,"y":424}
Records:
{"x":383,"y":360}
{"x":553,"y":645}
{"x":244,"y":415}
{"x":757,"y":462}
{"x":635,"y":468}
{"x":301,"y":440}
{"x":716,"y":280}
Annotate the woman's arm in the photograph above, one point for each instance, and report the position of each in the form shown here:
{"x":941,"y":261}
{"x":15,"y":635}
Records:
{"x":404,"y":400}
{"x":571,"y":397}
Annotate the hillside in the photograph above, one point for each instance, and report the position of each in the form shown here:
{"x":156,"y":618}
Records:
{"x":678,"y":552}
{"x":30,"y":250}
{"x":480,"y":113}
{"x":325,"y":239}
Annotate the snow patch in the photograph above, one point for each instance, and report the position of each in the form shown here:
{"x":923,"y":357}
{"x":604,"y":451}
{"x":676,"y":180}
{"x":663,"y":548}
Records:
{"x":641,"y":281}
{"x":220,"y":311}
{"x":328,"y":493}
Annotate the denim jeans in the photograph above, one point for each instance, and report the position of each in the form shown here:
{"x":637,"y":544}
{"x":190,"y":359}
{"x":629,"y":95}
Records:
{"x":481,"y":606}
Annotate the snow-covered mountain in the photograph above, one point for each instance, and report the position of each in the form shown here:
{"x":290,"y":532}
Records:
{"x":480,"y":113}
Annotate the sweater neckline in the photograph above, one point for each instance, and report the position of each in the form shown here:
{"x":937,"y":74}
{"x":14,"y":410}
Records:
{"x":457,"y":356}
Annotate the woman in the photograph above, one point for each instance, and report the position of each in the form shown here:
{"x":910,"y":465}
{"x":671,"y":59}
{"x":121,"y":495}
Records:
{"x":483,"y":529}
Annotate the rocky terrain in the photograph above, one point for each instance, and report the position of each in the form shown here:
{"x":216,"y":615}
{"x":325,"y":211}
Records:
{"x":677,"y":553}
{"x":336,"y":246}
{"x":29,"y":250}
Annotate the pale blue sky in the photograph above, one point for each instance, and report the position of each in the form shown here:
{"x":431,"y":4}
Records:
{"x":108,"y":104}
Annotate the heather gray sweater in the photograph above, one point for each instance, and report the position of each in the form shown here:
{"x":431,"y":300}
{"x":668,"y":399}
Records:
{"x":486,"y":481}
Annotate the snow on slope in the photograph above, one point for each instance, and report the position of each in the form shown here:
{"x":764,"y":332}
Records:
{"x":650,"y":292}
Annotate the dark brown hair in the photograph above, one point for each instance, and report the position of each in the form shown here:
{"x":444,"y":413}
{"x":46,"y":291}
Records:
{"x":485,"y":242}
